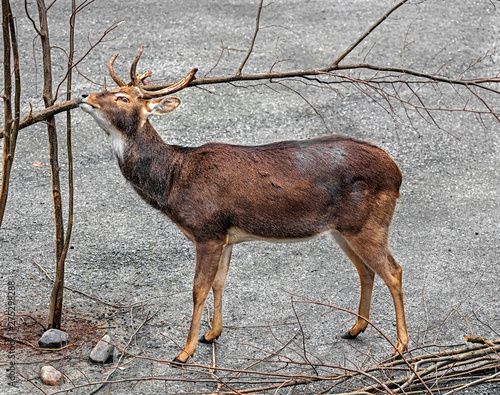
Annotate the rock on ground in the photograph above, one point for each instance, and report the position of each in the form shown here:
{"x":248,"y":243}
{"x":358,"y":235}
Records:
{"x":103,"y":351}
{"x":53,"y":338}
{"x":51,"y":376}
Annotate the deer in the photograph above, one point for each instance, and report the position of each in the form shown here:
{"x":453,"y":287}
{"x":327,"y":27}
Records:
{"x":220,"y":195}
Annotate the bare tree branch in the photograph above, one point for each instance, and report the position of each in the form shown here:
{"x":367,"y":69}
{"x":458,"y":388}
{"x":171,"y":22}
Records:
{"x":330,"y":74}
{"x":366,"y":34}
{"x":257,"y":22}
{"x":42,"y":115}
{"x":91,"y":48}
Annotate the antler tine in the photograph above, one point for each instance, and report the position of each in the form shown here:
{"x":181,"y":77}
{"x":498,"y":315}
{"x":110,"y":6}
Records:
{"x":141,"y":77}
{"x":112,"y":73}
{"x":169,"y":89}
{"x":134,"y":81}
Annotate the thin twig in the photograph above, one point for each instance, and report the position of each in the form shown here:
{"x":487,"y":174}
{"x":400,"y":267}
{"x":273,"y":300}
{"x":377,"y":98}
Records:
{"x":106,"y":380}
{"x":256,"y":31}
{"x":366,"y":34}
{"x":78,"y":291}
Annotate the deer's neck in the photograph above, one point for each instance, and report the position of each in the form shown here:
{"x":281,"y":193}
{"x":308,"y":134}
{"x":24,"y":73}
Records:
{"x":148,"y":163}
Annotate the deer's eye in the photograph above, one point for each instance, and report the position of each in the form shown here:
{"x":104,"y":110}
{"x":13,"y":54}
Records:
{"x":123,"y":99}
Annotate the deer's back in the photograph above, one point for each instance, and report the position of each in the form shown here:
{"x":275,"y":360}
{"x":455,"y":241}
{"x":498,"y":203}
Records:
{"x":290,"y":189}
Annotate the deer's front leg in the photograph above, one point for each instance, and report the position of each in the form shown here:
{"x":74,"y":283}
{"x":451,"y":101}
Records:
{"x":208,"y":255}
{"x":218,"y":288}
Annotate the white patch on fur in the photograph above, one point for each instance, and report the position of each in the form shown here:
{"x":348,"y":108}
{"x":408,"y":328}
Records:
{"x":237,"y":235}
{"x":116,"y":138}
{"x":117,"y":144}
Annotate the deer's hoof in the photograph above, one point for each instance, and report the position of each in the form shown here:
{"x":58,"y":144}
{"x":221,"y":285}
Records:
{"x":348,"y":336}
{"x":204,"y":340}
{"x":177,"y":363}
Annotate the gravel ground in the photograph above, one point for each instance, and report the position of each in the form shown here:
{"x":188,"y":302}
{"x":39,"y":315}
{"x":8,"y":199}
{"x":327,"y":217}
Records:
{"x":444,"y":232}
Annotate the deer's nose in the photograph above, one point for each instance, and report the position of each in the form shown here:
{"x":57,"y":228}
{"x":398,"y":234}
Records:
{"x":80,"y":98}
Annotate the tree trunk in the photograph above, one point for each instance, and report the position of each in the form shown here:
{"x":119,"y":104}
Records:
{"x":11,"y":125}
{"x":56,"y":300}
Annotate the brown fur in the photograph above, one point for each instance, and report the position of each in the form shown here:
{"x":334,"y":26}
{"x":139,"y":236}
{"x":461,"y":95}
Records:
{"x":220,"y":194}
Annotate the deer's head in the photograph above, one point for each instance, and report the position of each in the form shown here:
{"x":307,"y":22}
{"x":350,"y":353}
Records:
{"x":121,"y":111}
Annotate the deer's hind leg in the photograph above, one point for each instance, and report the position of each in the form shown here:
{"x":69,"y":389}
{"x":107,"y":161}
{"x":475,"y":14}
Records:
{"x":366,"y":277}
{"x":369,"y":251}
{"x":377,"y":257}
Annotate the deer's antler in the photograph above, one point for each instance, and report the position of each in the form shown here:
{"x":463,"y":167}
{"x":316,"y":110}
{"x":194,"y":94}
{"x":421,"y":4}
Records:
{"x":135,"y":79}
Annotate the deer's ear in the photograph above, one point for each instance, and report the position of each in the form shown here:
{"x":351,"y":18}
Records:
{"x":162,"y":106}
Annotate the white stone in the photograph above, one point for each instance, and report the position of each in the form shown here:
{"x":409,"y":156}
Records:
{"x":51,"y":376}
{"x":103,"y":351}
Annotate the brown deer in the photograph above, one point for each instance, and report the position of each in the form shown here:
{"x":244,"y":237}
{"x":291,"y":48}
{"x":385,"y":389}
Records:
{"x":222,"y":194}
